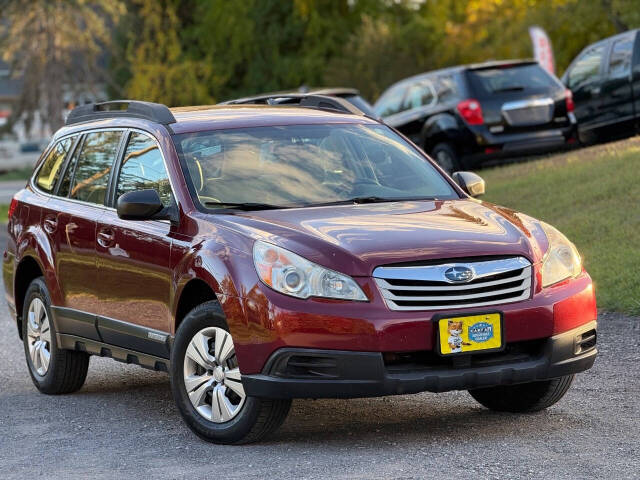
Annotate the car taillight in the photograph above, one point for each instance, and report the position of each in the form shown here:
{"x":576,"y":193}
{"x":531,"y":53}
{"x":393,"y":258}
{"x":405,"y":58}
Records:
{"x":471,"y":111}
{"x":568,"y":97}
{"x":12,"y":207}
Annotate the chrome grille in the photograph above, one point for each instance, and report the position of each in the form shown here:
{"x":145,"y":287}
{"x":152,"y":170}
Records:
{"x":425,"y":287}
{"x":528,"y":112}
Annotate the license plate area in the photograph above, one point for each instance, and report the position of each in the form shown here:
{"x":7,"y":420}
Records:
{"x":469,"y":334}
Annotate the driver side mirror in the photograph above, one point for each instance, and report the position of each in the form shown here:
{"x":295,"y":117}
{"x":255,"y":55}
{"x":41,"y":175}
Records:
{"x":143,"y":205}
{"x":470,"y":182}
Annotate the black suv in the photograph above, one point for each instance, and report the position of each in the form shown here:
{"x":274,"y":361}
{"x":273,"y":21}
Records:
{"x":605,"y":81}
{"x":466,"y":114}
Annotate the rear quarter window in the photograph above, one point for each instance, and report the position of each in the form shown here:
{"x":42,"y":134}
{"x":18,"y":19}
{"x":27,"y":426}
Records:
{"x":529,"y":77}
{"x":52,"y":165}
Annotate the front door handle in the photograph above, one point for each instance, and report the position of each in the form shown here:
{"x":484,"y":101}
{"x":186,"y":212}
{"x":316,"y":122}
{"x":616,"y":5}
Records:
{"x":50,"y":223}
{"x":106,"y":237}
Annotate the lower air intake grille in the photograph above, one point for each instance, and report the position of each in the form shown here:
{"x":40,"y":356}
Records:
{"x":436,"y":287}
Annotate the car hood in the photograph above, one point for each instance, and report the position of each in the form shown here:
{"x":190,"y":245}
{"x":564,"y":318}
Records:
{"x":355,"y":239}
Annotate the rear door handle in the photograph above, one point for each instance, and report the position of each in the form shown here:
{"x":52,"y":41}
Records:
{"x":50,"y":223}
{"x":106,"y":237}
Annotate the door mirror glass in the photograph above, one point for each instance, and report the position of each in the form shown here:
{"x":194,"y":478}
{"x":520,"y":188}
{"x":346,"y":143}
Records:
{"x":140,"y":205}
{"x":470,"y":182}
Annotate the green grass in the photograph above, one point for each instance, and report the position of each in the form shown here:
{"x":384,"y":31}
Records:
{"x":4,"y":214}
{"x":592,"y":195}
{"x":20,"y":174}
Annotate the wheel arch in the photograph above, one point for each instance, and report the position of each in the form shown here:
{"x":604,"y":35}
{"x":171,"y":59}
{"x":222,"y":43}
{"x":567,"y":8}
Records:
{"x":440,"y":128}
{"x":195,"y":292}
{"x":27,"y":271}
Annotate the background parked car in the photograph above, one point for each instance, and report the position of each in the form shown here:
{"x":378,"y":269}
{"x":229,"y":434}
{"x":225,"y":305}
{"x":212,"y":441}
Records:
{"x":605,"y":81}
{"x":352,"y":95}
{"x":466,"y":114}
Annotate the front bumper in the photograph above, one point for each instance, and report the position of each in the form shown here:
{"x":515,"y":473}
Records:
{"x":312,"y":373}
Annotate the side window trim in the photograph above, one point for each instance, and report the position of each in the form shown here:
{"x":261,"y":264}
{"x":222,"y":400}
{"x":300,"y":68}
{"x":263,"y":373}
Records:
{"x":77,"y":140}
{"x":110,"y":200}
{"x":72,"y":175}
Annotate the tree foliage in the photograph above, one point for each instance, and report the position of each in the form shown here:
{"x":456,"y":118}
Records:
{"x":160,"y":70}
{"x":201,"y":51}
{"x":223,"y":49}
{"x":54,"y":45}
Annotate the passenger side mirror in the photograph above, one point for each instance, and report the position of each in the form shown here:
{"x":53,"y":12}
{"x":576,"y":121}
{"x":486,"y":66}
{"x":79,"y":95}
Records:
{"x":470,"y":182}
{"x":143,"y":205}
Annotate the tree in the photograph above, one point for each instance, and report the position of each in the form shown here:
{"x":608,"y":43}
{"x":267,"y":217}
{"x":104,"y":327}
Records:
{"x":160,"y":69}
{"x":54,"y":45}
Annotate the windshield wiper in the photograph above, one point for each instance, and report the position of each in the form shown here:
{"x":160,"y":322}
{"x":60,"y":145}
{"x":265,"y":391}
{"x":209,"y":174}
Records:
{"x":245,"y":206}
{"x":370,"y":199}
{"x":514,"y":88}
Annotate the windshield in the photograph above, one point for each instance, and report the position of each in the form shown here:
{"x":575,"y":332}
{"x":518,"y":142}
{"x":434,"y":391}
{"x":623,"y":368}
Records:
{"x":527,"y":77}
{"x":304,"y":165}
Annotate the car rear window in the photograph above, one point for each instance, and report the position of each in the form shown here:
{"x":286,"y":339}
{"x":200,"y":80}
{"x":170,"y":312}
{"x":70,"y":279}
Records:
{"x":513,"y":78}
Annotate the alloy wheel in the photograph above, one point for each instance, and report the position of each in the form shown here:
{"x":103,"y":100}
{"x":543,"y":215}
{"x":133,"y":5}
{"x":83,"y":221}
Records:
{"x":212,"y":377}
{"x":39,"y":336}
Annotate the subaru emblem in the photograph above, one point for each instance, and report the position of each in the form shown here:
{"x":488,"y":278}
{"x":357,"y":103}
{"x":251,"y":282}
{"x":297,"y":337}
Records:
{"x":459,"y":273}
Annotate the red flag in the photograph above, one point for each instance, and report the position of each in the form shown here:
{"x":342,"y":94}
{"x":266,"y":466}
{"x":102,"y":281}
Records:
{"x":542,"y":50}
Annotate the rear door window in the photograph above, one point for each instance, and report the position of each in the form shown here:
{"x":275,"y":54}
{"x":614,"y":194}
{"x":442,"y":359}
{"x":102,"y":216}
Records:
{"x":143,"y":168}
{"x":620,"y":59}
{"x":446,"y":87}
{"x":515,"y":78}
{"x":587,"y":68}
{"x":53,"y":164}
{"x":420,"y":94}
{"x":94,"y":166}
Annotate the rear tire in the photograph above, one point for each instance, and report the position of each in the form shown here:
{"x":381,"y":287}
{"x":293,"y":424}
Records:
{"x":54,"y":371}
{"x":445,"y":155}
{"x":525,"y":397}
{"x":216,"y":408}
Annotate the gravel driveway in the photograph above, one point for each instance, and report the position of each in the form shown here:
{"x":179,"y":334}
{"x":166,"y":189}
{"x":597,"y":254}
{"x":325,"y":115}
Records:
{"x":123,"y":424}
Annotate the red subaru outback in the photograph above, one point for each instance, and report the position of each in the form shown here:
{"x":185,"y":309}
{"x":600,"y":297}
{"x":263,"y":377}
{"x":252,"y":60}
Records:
{"x":264,"y":253}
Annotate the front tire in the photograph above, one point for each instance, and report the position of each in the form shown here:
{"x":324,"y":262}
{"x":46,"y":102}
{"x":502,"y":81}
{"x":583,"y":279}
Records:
{"x":525,"y":397}
{"x":53,"y":371}
{"x":207,"y":385}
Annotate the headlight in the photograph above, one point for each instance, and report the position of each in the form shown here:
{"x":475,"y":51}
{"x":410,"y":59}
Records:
{"x":288,"y":273}
{"x":562,"y":259}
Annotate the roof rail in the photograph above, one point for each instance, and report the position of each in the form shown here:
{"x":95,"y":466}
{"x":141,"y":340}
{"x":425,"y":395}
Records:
{"x":155,"y":112}
{"x":323,"y":102}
